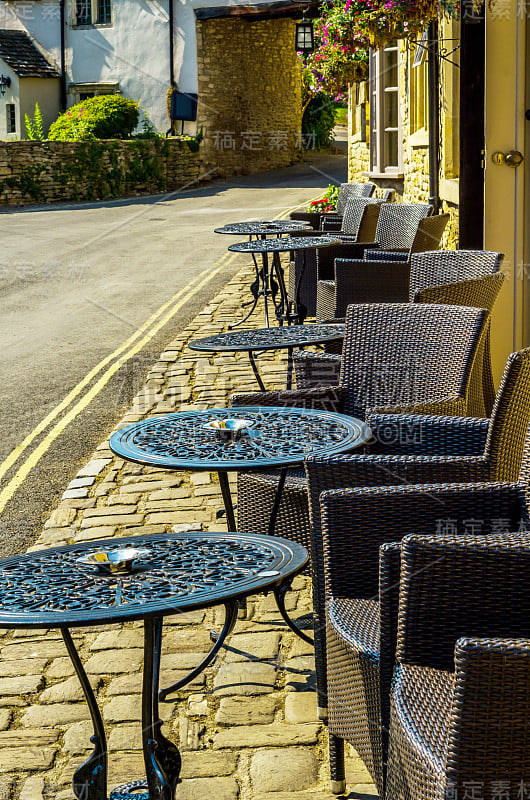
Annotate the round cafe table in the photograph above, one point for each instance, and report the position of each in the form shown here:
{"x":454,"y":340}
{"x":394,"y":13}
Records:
{"x":262,"y":339}
{"x":173,"y":573}
{"x":289,"y":310}
{"x":264,"y":284}
{"x":275,"y":438}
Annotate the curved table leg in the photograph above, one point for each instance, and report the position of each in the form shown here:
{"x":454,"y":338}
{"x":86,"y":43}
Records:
{"x":231,"y":609}
{"x":282,"y":590}
{"x":282,"y":308}
{"x":279,"y":595}
{"x":255,"y":291}
{"x":162,"y":757}
{"x":255,"y":370}
{"x":227,"y":499}
{"x":90,"y":779}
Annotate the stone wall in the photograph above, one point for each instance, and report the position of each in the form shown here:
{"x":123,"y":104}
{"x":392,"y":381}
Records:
{"x":413,"y":187}
{"x":47,"y":172}
{"x":249,"y":95}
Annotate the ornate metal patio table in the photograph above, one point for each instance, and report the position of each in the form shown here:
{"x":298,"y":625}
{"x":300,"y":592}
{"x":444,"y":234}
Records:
{"x":264,"y":284}
{"x":174,"y":573}
{"x":273,"y":438}
{"x":261,"y":339}
{"x":286,"y":310}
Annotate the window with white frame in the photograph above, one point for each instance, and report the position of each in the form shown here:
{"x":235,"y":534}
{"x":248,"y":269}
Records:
{"x":386,"y":148}
{"x":92,"y":12}
{"x":11,"y":118}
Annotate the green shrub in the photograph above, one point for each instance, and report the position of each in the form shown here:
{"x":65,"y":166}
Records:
{"x":319,"y":120}
{"x":108,"y":116}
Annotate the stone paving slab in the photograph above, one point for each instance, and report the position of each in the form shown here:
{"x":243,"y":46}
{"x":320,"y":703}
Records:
{"x":247,"y":728}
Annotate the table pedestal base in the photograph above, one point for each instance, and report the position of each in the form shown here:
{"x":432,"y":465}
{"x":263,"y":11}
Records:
{"x":162,"y":757}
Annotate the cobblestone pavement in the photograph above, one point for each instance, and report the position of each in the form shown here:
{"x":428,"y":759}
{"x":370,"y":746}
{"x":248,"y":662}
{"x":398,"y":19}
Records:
{"x":247,"y":727}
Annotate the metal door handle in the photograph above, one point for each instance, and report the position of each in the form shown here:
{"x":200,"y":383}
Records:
{"x":513,"y":158}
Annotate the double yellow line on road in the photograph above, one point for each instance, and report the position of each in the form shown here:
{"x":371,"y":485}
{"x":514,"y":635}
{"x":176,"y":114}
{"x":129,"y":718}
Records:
{"x":133,"y":345}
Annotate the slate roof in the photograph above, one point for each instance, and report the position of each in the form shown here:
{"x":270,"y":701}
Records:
{"x":19,"y":52}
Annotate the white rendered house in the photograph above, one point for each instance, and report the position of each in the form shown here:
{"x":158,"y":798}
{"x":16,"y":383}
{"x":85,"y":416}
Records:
{"x":137,"y":48}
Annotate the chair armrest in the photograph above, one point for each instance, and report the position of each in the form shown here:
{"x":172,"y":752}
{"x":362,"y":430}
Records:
{"x":387,"y":255}
{"x":362,"y":281}
{"x":327,"y":398}
{"x":326,"y":257}
{"x":488,"y":733}
{"x":311,"y":217}
{"x":331,"y":222}
{"x":398,"y":470}
{"x":471,"y":585}
{"x":316,"y":369}
{"x":389,"y":578}
{"x":425,"y":434}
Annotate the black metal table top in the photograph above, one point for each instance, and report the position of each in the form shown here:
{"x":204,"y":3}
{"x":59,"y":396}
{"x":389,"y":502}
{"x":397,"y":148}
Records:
{"x":273,"y":227}
{"x":283,"y":245}
{"x":183,"y":571}
{"x":278,"y":437}
{"x":269,"y":338}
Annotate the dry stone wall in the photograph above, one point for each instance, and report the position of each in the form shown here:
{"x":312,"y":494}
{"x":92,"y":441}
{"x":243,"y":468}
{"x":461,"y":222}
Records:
{"x":47,"y":172}
{"x":249,"y":95}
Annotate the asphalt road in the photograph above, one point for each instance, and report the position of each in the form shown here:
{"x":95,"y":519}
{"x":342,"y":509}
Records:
{"x":76,"y":282}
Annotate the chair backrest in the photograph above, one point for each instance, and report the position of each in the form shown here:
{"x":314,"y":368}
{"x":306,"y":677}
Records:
{"x":510,"y":418}
{"x":436,"y":267}
{"x":398,"y":223}
{"x":357,"y":208}
{"x":400,"y":353}
{"x":388,"y":195}
{"x":429,"y":233}
{"x":476,"y":292}
{"x":348,"y":190}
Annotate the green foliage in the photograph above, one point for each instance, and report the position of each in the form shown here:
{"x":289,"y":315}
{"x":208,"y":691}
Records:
{"x":194,"y":142}
{"x":27,"y":181}
{"x":103,"y":117}
{"x":35,"y":126}
{"x":148,"y":130}
{"x":327,"y":202}
{"x":319,"y":120}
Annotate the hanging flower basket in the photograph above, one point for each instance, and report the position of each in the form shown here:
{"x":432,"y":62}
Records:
{"x":384,"y":22}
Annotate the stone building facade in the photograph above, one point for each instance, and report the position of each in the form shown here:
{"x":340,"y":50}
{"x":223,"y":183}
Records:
{"x":408,"y":171}
{"x":249,"y":94}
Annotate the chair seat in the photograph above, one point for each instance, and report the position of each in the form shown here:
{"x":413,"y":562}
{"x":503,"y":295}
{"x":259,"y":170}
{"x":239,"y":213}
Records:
{"x":421,"y":714}
{"x":357,"y":623}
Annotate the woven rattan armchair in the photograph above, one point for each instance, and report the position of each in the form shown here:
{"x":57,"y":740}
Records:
{"x":335,"y":294}
{"x":358,"y":224}
{"x":361,"y":575}
{"x":418,"y":449}
{"x":460,"y":702}
{"x":455,"y":277}
{"x":346,"y":191}
{"x":397,"y":226}
{"x":403,"y":356}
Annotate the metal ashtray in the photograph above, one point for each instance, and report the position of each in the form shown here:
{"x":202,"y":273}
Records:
{"x":229,"y":429}
{"x":112,"y":562}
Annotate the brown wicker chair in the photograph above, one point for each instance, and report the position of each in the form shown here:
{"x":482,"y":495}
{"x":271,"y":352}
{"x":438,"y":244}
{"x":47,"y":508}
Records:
{"x":460,"y":703}
{"x":455,"y":277}
{"x":346,"y":191}
{"x":394,"y":354}
{"x":360,"y":566}
{"x":419,"y":450}
{"x":358,"y":224}
{"x":336,"y":294}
